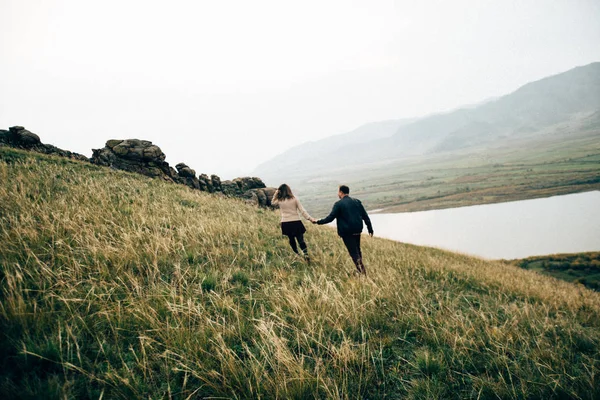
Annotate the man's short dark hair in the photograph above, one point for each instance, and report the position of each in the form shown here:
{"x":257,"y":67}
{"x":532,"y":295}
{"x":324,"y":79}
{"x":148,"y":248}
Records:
{"x":344,"y":189}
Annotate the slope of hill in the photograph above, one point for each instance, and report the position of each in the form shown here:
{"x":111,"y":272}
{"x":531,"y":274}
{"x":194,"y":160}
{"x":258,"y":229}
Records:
{"x":115,"y":285}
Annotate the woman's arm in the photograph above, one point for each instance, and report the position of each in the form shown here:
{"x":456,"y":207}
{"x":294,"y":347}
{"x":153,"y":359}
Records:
{"x":303,"y":211}
{"x":274,"y":200}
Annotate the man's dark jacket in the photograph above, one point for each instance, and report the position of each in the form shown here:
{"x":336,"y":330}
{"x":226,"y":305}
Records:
{"x":350,"y":214}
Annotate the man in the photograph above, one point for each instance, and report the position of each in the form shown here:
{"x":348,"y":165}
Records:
{"x":350,"y":214}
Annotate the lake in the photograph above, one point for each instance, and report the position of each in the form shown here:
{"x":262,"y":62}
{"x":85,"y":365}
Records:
{"x":560,"y":224}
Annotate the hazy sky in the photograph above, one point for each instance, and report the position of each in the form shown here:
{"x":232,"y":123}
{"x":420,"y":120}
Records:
{"x":226,"y":85}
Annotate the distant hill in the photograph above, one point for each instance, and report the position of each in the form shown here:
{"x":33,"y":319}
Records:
{"x":531,"y":111}
{"x":316,"y":152}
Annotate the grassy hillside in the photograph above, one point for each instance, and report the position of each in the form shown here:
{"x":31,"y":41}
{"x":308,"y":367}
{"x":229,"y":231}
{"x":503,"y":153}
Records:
{"x":114,"y":285}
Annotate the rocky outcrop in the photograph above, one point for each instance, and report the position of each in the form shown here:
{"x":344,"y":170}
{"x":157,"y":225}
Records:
{"x":261,"y":197}
{"x":143,"y":157}
{"x":187,"y":176}
{"x":239,"y":186}
{"x":21,"y":138}
{"x":133,"y":155}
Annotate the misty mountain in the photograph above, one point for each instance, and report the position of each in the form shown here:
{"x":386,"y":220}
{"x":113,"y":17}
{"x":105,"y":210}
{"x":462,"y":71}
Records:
{"x":536,"y":109}
{"x":321,"y":149}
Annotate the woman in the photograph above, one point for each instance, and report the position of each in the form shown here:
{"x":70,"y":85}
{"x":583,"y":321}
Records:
{"x":291,"y":225}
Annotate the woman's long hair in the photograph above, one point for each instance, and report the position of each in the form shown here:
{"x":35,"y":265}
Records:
{"x":284,"y":192}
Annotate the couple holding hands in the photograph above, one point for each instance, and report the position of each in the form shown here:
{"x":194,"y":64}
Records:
{"x":348,"y":212}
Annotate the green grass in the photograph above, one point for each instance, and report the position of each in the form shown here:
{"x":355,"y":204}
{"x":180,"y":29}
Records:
{"x":114,"y":285}
{"x":582,"y":268}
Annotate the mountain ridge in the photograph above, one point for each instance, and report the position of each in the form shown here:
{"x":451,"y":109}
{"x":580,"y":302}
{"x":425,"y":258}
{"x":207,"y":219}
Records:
{"x":523,"y":112}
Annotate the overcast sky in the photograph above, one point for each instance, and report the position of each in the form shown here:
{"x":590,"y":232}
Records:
{"x":226,"y":85}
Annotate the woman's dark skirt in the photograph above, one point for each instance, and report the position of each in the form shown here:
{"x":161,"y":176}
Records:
{"x":292,"y":228}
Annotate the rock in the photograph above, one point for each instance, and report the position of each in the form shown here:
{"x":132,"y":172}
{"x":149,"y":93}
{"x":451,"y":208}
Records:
{"x":153,"y":153}
{"x":230,"y":188}
{"x":247,"y":183}
{"x":134,"y":155}
{"x":206,"y":183}
{"x":192,"y":182}
{"x":187,"y":176}
{"x":172,"y":173}
{"x":136,"y":150}
{"x":112,"y":143}
{"x":21,"y":138}
{"x":251,"y":197}
{"x":260,"y":197}
{"x":216,"y":183}
{"x":121,"y":151}
{"x":239,"y":186}
{"x":269,"y":192}
{"x":185,"y":171}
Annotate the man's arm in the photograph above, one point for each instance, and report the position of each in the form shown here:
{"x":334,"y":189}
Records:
{"x":332,"y":215}
{"x":365,"y":217}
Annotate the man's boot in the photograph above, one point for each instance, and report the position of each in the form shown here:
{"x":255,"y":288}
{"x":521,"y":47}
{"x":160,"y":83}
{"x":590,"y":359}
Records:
{"x":358,"y":267}
{"x":361,"y":267}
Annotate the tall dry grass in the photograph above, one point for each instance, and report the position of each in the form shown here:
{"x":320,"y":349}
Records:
{"x":119,"y":286}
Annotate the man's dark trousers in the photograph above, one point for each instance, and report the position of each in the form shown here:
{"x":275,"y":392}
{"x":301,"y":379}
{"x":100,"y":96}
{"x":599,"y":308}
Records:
{"x":352,"y":243}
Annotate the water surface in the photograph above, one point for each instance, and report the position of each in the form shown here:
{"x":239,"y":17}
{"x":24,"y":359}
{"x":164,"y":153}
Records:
{"x":560,"y":224}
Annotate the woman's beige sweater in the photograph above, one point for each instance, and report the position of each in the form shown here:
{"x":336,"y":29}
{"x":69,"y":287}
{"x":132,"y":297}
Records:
{"x":289,"y":209}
